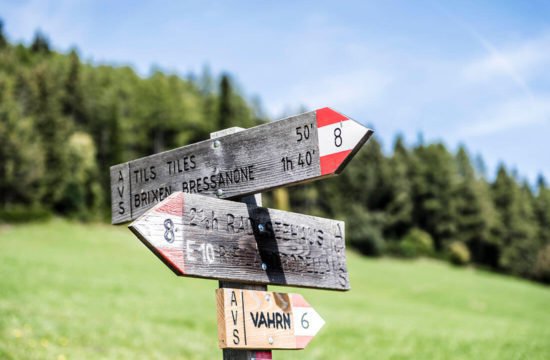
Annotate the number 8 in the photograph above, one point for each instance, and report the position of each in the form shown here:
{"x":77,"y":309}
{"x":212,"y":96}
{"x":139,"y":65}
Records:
{"x":169,"y":233}
{"x":338,"y":137}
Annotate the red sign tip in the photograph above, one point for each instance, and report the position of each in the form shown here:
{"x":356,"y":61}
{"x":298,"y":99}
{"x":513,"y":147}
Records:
{"x":327,"y":116}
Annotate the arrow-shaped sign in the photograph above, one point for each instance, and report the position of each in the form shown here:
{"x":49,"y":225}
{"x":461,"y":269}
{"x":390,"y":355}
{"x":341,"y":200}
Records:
{"x":249,"y":319}
{"x":201,"y":236}
{"x":300,"y":148}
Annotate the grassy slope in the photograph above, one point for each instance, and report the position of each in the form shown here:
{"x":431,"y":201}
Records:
{"x":72,"y":291}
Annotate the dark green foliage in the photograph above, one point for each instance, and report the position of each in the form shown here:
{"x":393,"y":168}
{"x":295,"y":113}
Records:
{"x":476,"y":215}
{"x":517,"y":228}
{"x":542,"y":265}
{"x":226,"y":113}
{"x":73,"y":97}
{"x":22,"y":160}
{"x":433,"y":177}
{"x":364,"y":230}
{"x":63,"y":123}
{"x":399,"y":208}
{"x":21,"y":214}
{"x":232,"y":110}
{"x":388,"y":201}
{"x":3,"y":40}
{"x":53,"y":132}
{"x":542,"y":211}
{"x":40,"y":44}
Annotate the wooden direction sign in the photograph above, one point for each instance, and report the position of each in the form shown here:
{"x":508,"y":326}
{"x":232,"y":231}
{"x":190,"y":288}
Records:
{"x":300,"y":148}
{"x":249,"y":319}
{"x":201,"y":236}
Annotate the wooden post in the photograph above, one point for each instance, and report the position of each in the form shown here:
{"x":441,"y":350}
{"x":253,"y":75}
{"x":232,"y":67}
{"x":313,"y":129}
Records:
{"x":256,"y":199}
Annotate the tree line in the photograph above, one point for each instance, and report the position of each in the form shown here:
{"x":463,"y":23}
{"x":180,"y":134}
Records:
{"x":64,"y":122}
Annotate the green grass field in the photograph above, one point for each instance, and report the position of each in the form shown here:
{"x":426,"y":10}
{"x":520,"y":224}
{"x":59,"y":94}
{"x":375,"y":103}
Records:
{"x":71,"y":291}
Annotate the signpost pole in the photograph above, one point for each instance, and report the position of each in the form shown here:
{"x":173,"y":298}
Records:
{"x":255,"y":199}
{"x":174,"y":197}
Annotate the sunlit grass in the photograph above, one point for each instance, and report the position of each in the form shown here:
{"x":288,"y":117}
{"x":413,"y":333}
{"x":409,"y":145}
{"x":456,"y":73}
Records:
{"x":71,"y":291}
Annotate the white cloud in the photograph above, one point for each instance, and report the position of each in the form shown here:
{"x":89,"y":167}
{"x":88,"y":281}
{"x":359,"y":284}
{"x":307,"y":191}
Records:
{"x":506,"y":108}
{"x":56,"y":19}
{"x":511,"y":114}
{"x":522,"y":60}
{"x":352,"y":91}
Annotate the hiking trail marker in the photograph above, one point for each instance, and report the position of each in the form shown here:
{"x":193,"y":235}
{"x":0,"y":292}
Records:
{"x":199,"y":236}
{"x":242,"y":244}
{"x":250,"y":319}
{"x":297,"y":149}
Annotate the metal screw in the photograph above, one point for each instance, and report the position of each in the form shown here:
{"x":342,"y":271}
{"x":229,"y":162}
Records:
{"x":219,"y":192}
{"x":217,"y":143}
{"x":261,"y":228}
{"x":264,"y":266}
{"x":270,"y":339}
{"x":267,"y":298}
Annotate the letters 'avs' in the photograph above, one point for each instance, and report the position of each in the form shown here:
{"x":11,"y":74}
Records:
{"x":249,"y":319}
{"x":297,"y":149}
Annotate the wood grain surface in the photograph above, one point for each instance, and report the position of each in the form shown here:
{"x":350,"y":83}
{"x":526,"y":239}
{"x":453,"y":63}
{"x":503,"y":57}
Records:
{"x":201,"y":236}
{"x":298,"y":149}
{"x":249,"y":319}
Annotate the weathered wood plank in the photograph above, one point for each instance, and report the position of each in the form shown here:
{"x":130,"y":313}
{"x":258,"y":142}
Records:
{"x":249,"y":319}
{"x":211,"y":238}
{"x":256,"y":199}
{"x":244,"y":354}
{"x":301,"y":148}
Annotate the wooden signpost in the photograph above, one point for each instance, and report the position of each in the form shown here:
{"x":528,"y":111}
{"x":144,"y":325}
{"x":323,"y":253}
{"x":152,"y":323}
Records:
{"x":178,"y":197}
{"x":250,"y":319}
{"x":300,"y":148}
{"x":211,"y":238}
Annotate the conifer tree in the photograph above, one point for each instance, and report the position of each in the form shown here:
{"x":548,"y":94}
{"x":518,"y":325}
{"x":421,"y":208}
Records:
{"x":226,"y":112}
{"x":73,"y":102}
{"x":517,"y":229}
{"x":542,"y":210}
{"x":3,"y":40}
{"x":434,"y":177}
{"x":471,"y":226}
{"x":21,"y":154}
{"x":400,"y":207}
{"x":54,"y":130}
{"x":40,"y":44}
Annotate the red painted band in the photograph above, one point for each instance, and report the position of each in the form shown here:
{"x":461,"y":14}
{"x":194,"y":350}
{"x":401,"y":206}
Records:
{"x":174,"y":257}
{"x":302,"y":341}
{"x":299,"y":301}
{"x":173,"y":205}
{"x":331,"y":162}
{"x":263,"y":355}
{"x":327,"y":116}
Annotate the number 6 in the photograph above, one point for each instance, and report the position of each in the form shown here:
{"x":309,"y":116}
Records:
{"x":305,"y":323}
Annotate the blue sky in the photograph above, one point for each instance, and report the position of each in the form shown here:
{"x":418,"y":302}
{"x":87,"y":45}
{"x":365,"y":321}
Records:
{"x":472,"y":72}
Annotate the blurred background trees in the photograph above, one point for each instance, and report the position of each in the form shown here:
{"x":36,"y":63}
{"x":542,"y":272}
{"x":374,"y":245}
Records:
{"x":64,"y":122}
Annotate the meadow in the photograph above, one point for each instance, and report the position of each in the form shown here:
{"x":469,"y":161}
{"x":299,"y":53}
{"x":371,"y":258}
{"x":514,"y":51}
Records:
{"x":74,"y":291}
